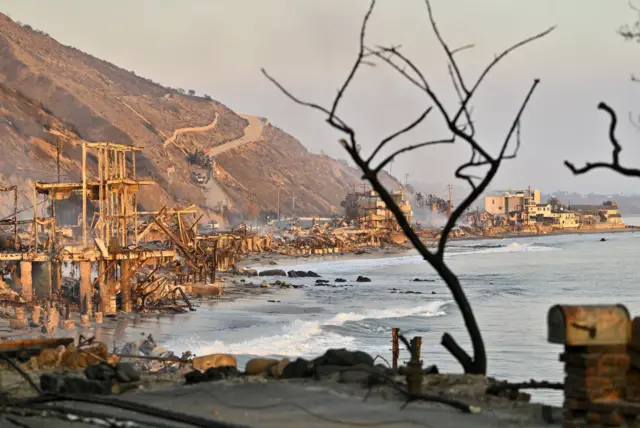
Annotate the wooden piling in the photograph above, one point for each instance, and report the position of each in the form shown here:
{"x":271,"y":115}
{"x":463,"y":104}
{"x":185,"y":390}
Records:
{"x":395,"y":349}
{"x":416,"y":343}
{"x":26,"y":280}
{"x":85,"y":287}
{"x":125,"y":285}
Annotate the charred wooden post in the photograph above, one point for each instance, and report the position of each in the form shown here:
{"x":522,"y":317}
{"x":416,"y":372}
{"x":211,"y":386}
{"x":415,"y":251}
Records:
{"x":416,"y":345}
{"x":102,"y":281}
{"x":26,"y":280}
{"x":596,"y":361}
{"x":125,"y":285}
{"x":86,"y":291}
{"x":395,"y":350}
{"x":56,"y":277}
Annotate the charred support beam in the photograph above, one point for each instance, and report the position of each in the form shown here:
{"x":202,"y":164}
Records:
{"x":111,"y":276}
{"x":26,"y":281}
{"x":41,"y":279}
{"x":125,"y":285}
{"x":102,"y":283}
{"x":56,"y":276}
{"x":85,"y":288}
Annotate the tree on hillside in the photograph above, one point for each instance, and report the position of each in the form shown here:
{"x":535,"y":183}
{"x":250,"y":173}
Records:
{"x":192,"y":92}
{"x":207,"y":97}
{"x":180,"y":90}
{"x":461,"y":129}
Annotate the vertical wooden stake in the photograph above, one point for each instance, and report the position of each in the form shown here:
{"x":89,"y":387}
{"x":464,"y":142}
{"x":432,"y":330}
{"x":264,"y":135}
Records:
{"x":395,"y":349}
{"x":35,"y":218}
{"x":416,"y":343}
{"x":15,"y":217}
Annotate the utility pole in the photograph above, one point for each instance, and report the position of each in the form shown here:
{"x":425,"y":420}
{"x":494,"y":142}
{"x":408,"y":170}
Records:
{"x":278,"y":202}
{"x":390,"y":165}
{"x":450,"y":201}
{"x":293,"y":195}
{"x":406,"y":180}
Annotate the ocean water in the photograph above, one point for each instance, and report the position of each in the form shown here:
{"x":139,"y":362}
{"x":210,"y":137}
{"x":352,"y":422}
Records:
{"x":511,"y":284}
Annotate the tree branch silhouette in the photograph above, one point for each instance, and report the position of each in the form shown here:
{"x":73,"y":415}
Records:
{"x":614,"y":165}
{"x":464,"y":132}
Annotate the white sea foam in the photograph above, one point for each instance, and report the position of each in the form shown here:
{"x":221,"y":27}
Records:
{"x":304,"y":338}
{"x":514,"y":247}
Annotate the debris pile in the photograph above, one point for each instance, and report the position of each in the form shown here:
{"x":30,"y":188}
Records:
{"x":147,"y":356}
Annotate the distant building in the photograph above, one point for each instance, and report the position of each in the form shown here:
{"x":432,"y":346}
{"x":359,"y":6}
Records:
{"x":593,"y":214}
{"x":511,"y":201}
{"x":367,"y":209}
{"x":519,"y":208}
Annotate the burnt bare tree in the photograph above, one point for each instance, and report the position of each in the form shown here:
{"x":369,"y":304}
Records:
{"x":462,"y":129}
{"x":614,"y":165}
{"x":629,"y":33}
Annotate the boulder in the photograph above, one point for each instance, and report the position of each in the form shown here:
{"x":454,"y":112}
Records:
{"x":342,"y":357}
{"x":273,"y":272}
{"x":302,"y":274}
{"x":300,"y":368}
{"x":423,"y":280}
{"x":195,"y":376}
{"x":219,"y":373}
{"x":322,"y":281}
{"x":100,"y":371}
{"x":251,"y":272}
{"x":214,"y":360}
{"x":363,"y":279}
{"x":340,"y":280}
{"x":257,"y":366}
{"x":70,"y":384}
{"x":125,"y":372}
{"x":276,"y":370}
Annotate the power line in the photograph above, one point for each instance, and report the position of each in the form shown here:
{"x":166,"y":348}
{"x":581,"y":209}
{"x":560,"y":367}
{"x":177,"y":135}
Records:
{"x":25,"y":209}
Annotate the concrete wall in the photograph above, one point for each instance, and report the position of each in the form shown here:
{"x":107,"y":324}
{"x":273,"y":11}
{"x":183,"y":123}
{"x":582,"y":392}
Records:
{"x":495,"y":204}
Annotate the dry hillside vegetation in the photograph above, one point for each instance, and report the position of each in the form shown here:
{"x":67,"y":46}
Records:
{"x":51,"y":93}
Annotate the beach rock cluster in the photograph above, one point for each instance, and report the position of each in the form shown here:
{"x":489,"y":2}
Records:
{"x":336,"y":364}
{"x":101,"y":378}
{"x":273,"y":272}
{"x":302,"y":274}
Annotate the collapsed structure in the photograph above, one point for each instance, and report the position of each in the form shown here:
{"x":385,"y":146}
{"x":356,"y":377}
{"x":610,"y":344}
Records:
{"x":129,"y":259}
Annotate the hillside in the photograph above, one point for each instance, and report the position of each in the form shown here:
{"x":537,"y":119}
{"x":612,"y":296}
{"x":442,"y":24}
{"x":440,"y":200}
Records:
{"x":51,"y":94}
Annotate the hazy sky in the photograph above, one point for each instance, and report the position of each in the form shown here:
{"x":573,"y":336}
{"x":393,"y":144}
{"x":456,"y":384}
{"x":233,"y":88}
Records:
{"x":218,"y":47}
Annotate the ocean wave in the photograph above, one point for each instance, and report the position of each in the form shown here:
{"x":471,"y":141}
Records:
{"x":311,"y":338}
{"x":433,"y":308}
{"x":514,"y":247}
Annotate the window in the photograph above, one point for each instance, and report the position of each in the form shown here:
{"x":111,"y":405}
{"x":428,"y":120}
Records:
{"x":493,"y":201}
